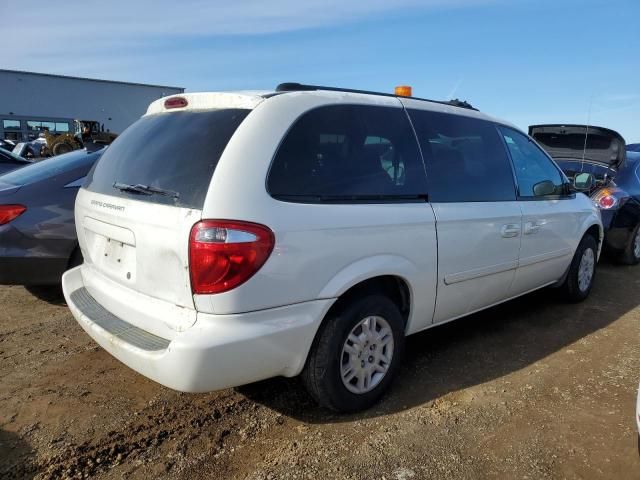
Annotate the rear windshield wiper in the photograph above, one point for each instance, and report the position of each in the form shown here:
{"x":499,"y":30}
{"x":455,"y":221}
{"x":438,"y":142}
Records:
{"x":145,"y":189}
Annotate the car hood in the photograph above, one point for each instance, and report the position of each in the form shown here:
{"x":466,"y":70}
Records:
{"x":603,"y":146}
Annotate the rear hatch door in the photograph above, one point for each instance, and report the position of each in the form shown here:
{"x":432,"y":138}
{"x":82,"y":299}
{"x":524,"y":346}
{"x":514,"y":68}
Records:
{"x":581,"y":142}
{"x":138,"y":205}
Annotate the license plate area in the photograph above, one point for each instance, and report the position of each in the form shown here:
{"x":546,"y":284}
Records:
{"x":112,"y":250}
{"x":119,"y":259}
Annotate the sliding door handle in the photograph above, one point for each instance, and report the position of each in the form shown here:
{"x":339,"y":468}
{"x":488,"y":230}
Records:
{"x":510,"y":230}
{"x":533,"y":227}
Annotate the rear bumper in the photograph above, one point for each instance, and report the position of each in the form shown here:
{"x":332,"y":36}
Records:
{"x":31,"y":255}
{"x":618,"y":226}
{"x":217,"y":352}
{"x":616,"y":239}
{"x":32,"y":270}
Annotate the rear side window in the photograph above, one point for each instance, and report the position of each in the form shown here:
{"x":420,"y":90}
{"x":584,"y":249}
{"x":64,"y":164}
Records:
{"x":348,"y":153}
{"x":174,"y":152}
{"x":465,"y":158}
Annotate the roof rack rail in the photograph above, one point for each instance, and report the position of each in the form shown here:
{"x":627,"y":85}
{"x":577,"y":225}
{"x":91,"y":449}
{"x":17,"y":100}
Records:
{"x":301,"y":87}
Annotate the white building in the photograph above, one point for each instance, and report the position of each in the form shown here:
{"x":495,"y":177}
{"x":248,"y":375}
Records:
{"x":31,"y":102}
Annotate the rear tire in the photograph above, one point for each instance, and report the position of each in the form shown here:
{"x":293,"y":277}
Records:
{"x":356,"y":354}
{"x":631,"y":254}
{"x":582,"y":271}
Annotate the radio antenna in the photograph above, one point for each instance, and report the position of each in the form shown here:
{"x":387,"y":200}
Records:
{"x":586,"y":135}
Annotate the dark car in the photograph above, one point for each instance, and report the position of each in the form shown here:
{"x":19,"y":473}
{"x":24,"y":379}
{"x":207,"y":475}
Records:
{"x":11,"y":161}
{"x":37,"y":231}
{"x":633,"y":147}
{"x":7,"y":144}
{"x":596,"y":161}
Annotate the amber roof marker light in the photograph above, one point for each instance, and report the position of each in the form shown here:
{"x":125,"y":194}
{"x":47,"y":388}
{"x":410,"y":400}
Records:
{"x":403,"y":91}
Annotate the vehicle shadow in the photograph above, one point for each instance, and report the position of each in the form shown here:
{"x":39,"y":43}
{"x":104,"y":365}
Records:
{"x":476,"y":349}
{"x":50,"y":293}
{"x":16,"y":457}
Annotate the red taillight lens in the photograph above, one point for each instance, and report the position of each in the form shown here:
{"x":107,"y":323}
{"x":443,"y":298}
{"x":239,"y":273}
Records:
{"x":10,"y":212}
{"x":609,"y":198}
{"x":606,"y":202}
{"x":175,"y":102}
{"x":224,"y":254}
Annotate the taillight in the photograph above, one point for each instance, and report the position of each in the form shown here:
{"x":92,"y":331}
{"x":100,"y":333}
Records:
{"x":609,"y":198}
{"x":224,"y":254}
{"x":607,"y":201}
{"x":10,"y":212}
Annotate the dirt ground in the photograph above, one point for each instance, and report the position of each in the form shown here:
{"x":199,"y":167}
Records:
{"x":532,"y":389}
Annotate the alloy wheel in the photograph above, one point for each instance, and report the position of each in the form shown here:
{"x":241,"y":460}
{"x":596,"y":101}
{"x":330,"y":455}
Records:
{"x":366,"y":355}
{"x":586,"y":269}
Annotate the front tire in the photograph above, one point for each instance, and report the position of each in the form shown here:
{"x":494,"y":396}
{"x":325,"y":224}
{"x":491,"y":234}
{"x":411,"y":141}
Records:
{"x":356,"y":354}
{"x":631,"y":254}
{"x":582,"y":270}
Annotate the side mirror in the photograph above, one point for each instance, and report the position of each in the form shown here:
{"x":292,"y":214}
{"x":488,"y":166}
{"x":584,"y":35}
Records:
{"x":584,"y":181}
{"x":544,"y":188}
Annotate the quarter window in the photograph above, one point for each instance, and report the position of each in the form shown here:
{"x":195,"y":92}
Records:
{"x":465,"y":158}
{"x":348,"y":153}
{"x":532,"y":165}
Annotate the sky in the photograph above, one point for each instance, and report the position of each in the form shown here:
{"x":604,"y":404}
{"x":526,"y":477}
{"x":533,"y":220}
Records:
{"x":524,"y":61}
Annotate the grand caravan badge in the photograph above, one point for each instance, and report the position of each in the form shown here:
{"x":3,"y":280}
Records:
{"x":111,"y":206}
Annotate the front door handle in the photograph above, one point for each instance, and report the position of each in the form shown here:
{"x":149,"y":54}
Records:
{"x":510,"y":230}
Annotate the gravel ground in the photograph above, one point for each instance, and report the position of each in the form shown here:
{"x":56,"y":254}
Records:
{"x":533,"y":389}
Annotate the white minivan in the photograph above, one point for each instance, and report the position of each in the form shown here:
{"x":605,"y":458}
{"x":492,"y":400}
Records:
{"x":233,"y":237}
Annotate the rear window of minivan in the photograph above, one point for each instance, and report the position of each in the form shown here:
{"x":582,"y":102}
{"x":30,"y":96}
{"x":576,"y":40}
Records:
{"x":176,"y":152}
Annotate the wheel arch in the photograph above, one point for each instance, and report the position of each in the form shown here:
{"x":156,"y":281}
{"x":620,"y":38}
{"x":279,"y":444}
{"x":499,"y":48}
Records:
{"x":395,"y":287}
{"x":597,"y":232}
{"x":389,"y":274}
